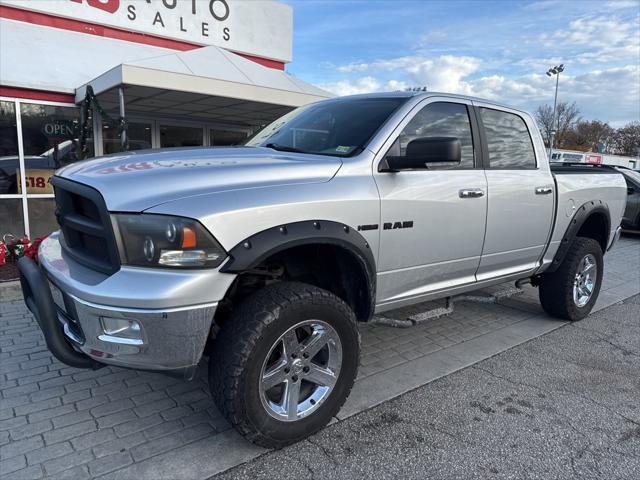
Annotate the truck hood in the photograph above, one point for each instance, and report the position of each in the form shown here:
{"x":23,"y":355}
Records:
{"x":136,"y":181}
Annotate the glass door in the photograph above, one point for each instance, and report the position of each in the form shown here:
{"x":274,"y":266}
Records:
{"x":51,"y":140}
{"x":220,"y":137}
{"x":181,"y":136}
{"x":139,"y":133}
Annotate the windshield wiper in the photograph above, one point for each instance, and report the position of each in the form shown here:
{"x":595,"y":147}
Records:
{"x":284,"y":148}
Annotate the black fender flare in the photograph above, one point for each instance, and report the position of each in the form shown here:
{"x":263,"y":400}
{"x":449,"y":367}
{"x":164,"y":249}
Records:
{"x":583,"y":213}
{"x":252,"y":251}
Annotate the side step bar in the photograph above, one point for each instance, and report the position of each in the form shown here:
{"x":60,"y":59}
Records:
{"x":448,"y":309}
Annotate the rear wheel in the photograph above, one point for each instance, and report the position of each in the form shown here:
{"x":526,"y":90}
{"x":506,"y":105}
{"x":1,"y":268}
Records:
{"x":284,"y":364}
{"x":571,"y":291}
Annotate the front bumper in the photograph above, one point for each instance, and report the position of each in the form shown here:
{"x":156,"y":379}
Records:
{"x":60,"y":294}
{"x":169,"y":339}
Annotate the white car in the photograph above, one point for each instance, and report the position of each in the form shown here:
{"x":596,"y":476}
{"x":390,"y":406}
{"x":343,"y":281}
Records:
{"x":265,"y":257}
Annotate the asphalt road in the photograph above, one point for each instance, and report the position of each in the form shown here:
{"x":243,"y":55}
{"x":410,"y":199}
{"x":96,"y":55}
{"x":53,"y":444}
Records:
{"x":564,"y":405}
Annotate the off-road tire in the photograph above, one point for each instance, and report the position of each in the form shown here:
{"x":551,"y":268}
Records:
{"x":243,"y":343}
{"x":556,"y":288}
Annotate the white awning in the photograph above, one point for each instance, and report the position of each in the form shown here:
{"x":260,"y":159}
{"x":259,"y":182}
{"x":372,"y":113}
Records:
{"x":210,"y":71}
{"x":156,"y":80}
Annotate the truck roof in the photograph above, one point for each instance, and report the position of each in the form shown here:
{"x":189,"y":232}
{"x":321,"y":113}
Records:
{"x":407,"y":94}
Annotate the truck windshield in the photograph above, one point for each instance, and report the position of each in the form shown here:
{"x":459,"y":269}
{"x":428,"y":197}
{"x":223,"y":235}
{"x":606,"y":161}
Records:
{"x":340,"y":127}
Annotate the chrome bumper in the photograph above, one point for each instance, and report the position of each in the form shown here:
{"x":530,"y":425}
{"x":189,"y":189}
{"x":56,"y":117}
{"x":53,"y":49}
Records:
{"x":169,"y":339}
{"x":173,"y":311}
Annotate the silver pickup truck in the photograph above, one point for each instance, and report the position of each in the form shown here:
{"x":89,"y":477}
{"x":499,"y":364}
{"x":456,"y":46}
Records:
{"x":264,"y":257}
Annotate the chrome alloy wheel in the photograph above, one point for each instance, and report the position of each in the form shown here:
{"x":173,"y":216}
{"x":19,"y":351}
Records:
{"x":300,"y":371}
{"x":584,"y":281}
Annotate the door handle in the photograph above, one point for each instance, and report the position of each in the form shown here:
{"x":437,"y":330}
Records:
{"x":471,"y":193}
{"x":544,"y":190}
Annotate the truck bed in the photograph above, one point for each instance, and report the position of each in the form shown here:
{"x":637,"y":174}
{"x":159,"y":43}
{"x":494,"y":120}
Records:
{"x":577,"y":184}
{"x":580,"y":168}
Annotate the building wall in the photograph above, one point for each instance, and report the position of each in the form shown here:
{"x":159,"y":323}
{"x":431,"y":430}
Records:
{"x":50,"y":48}
{"x":261,"y":29}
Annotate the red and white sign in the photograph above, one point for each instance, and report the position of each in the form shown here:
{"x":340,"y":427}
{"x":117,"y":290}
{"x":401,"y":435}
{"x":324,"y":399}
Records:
{"x":259,"y":28}
{"x":593,"y":158}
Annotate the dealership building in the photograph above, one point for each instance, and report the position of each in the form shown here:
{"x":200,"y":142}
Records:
{"x":82,"y":78}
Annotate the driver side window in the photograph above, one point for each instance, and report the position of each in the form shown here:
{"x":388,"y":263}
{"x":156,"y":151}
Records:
{"x":440,"y":119}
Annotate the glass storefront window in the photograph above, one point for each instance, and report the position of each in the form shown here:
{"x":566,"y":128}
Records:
{"x":139,"y":137}
{"x":226,"y":137}
{"x":180,"y":136}
{"x":9,"y":160}
{"x":50,"y":135}
{"x":42,"y":219}
{"x":12,"y":218}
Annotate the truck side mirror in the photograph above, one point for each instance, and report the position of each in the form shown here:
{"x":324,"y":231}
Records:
{"x":631,"y":190}
{"x":424,"y":152}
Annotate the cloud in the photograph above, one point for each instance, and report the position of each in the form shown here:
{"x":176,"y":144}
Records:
{"x":595,"y":32}
{"x":601,"y":56}
{"x":447,"y":75}
{"x":443,"y":73}
{"x":621,"y":4}
{"x":609,"y":94}
{"x":363,"y":85}
{"x":542,"y":5}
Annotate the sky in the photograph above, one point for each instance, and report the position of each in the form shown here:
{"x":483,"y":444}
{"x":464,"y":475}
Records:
{"x":490,"y":49}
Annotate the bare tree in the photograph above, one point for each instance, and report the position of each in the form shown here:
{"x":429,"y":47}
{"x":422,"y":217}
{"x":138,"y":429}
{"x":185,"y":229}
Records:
{"x":626,"y":140}
{"x":544,"y":118}
{"x":567,"y":115}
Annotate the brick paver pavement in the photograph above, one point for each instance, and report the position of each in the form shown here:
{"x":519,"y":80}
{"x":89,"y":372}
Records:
{"x":62,"y":422}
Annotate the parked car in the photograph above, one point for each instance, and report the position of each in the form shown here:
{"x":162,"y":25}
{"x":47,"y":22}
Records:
{"x":52,"y":159}
{"x":265,"y":257}
{"x":631,"y":217}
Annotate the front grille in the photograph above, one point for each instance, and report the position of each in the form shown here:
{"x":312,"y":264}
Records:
{"x":87,"y":234}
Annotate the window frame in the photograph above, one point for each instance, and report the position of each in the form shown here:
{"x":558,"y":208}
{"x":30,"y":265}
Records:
{"x":478,"y":152}
{"x":24,"y":196}
{"x":485,"y":143}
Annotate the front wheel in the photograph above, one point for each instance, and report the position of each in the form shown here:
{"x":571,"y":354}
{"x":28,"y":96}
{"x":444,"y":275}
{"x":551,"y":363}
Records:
{"x":284,"y":364}
{"x":571,"y":291}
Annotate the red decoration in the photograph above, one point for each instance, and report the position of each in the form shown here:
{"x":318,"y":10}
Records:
{"x":32,"y":250}
{"x":3,"y":253}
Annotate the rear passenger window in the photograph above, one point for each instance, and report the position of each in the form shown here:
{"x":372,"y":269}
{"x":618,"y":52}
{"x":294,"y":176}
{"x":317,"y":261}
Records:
{"x":508,"y":140}
{"x":441,"y":119}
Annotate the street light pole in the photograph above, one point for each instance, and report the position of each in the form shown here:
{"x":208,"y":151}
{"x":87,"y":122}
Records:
{"x":554,"y":71}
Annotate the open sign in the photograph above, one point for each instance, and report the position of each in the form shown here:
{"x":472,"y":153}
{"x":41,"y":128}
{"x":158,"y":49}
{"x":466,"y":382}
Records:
{"x":59,"y":128}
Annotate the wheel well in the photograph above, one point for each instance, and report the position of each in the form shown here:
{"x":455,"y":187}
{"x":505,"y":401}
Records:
{"x":596,"y":226}
{"x":328,"y":266}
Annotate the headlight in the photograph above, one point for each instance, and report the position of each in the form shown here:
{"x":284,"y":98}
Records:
{"x":149,"y":240}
